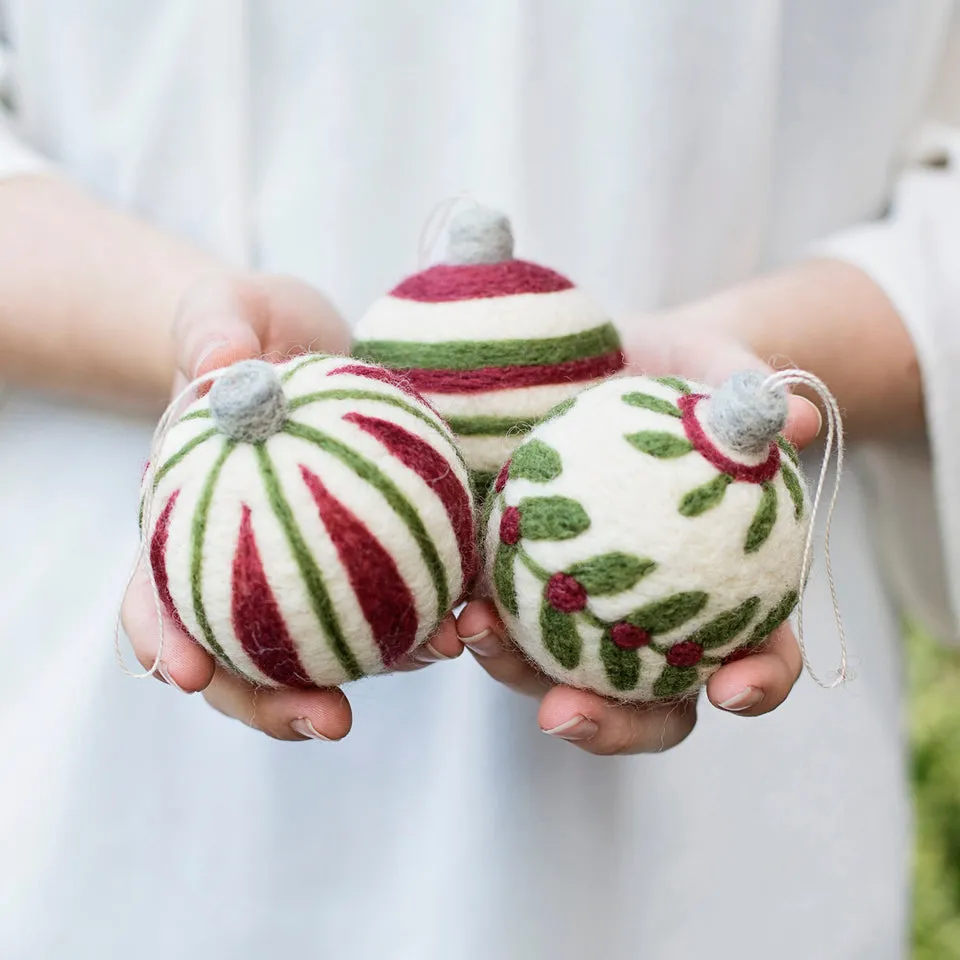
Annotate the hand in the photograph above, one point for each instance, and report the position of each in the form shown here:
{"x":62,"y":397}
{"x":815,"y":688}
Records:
{"x":703,"y":351}
{"x":221,"y":321}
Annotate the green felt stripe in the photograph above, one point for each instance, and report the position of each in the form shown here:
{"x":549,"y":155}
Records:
{"x":792,"y":483}
{"x":539,"y":572}
{"x":315,"y":358}
{"x":401,"y":506}
{"x":320,"y":600}
{"x":188,"y":447}
{"x":647,"y":401}
{"x":503,"y":577}
{"x":480,"y":483}
{"x":197,"y":535}
{"x":474,"y":354}
{"x":297,"y":402}
{"x":203,"y":414}
{"x":489,"y":426}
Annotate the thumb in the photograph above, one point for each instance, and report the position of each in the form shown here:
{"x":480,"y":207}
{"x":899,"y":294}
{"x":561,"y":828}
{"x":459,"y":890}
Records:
{"x":224,"y":319}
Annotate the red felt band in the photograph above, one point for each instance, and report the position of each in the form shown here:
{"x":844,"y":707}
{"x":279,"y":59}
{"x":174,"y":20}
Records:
{"x":744,"y":472}
{"x":384,"y":376}
{"x":446,"y":282}
{"x":485,"y":379}
{"x":436,"y":471}
{"x":257,"y":620}
{"x":387,"y":603}
{"x":158,"y":561}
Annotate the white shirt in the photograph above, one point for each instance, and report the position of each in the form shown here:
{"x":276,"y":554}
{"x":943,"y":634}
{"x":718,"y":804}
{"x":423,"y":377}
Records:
{"x":653,"y":152}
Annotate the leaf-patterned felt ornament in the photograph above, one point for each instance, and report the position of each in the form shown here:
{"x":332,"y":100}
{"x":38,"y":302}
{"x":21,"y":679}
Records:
{"x":666,"y":534}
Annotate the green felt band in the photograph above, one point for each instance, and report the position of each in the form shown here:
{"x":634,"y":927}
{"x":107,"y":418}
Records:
{"x":489,"y":426}
{"x":476,"y":354}
{"x":175,"y":458}
{"x":320,"y":600}
{"x":367,"y":470}
{"x":197,"y":535}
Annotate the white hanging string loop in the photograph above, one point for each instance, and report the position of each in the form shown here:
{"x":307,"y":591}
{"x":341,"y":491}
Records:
{"x":436,"y":223}
{"x":785,"y":378}
{"x":164,"y":425}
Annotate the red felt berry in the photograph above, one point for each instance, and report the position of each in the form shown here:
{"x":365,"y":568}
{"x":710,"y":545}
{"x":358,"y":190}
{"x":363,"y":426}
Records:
{"x":501,"y":480}
{"x":510,"y":526}
{"x":685,"y":654}
{"x":563,"y":593}
{"x":628,"y":637}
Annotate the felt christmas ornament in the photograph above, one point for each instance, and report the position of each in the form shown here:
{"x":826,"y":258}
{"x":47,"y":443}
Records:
{"x":310,"y":522}
{"x":648,"y":533}
{"x":493,"y":342}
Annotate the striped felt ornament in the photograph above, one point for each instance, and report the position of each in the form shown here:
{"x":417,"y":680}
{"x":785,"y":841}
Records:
{"x":491,"y":341}
{"x":311,"y":521}
{"x":649,"y":533}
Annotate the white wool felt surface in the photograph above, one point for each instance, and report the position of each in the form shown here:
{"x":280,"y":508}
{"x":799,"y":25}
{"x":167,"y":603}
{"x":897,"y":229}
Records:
{"x":631,"y":499}
{"x":204,"y":599}
{"x":520,"y":315}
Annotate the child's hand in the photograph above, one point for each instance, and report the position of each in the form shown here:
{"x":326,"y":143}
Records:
{"x":221,"y":321}
{"x":750,"y":687}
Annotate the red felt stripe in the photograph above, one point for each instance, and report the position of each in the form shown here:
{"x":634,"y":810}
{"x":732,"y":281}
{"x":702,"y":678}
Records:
{"x":381,"y":591}
{"x":485,"y":379}
{"x":158,"y":561}
{"x":419,"y":456}
{"x":446,"y":282}
{"x":400,"y":381}
{"x":257,"y":620}
{"x":744,"y":472}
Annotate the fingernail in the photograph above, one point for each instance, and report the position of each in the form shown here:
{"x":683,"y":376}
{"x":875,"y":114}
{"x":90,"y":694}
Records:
{"x":816,"y":410}
{"x":576,"y":728}
{"x":484,"y":644}
{"x":306,"y":729}
{"x":428,"y":653}
{"x":205,"y":354}
{"x":748,"y":697}
{"x":164,"y":672}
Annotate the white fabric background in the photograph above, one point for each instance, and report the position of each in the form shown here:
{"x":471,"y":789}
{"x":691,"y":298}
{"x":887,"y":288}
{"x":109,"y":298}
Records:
{"x":654,"y":152}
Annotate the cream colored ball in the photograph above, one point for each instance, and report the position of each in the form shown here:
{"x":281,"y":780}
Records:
{"x":632,"y":552}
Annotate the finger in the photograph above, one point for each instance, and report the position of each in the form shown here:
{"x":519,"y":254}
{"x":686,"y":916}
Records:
{"x":605,"y":728}
{"x":759,"y":683}
{"x":443,"y":645}
{"x":804,"y":422}
{"x":282,"y":714}
{"x":226,"y":319}
{"x":183,"y":663}
{"x":482,"y":632}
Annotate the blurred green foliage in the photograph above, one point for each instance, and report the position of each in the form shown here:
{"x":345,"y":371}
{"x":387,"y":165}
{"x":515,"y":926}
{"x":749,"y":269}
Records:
{"x":935,"y":763}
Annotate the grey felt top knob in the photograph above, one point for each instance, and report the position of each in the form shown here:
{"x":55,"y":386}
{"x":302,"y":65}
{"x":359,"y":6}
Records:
{"x":745,"y":414}
{"x":479,"y":235}
{"x":247,"y":403}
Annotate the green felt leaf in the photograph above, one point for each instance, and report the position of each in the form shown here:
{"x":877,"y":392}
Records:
{"x":621,"y":666}
{"x":551,"y":518}
{"x":560,"y":636}
{"x":792,"y":482}
{"x":774,"y":618}
{"x":674,"y":611}
{"x":659,"y":444}
{"x":503,"y":577}
{"x":535,"y":460}
{"x":789,"y":449}
{"x":703,"y":498}
{"x":610,"y":573}
{"x":724,"y":627}
{"x":763,"y":519}
{"x":675,"y":681}
{"x":649,"y":402}
{"x":681,"y":386}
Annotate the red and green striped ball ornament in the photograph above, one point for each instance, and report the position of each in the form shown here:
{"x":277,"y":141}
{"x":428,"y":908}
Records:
{"x":649,"y":532}
{"x":311,"y":521}
{"x":492,"y":341}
